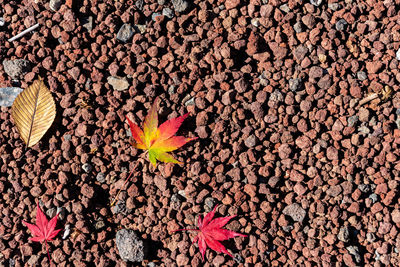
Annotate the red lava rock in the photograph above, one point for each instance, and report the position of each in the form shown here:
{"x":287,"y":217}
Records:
{"x":315,"y":72}
{"x":396,"y":216}
{"x":332,"y":153}
{"x":373,"y":66}
{"x":305,"y":105}
{"x":160,"y":182}
{"x":284,"y":151}
{"x":240,"y":85}
{"x":295,"y":211}
{"x":377,"y":207}
{"x":232,"y":4}
{"x":354,"y":207}
{"x":47,"y":63}
{"x":303,"y":142}
{"x":218,"y":260}
{"x":363,"y":115}
{"x":250,"y":190}
{"x":87,"y":191}
{"x":278,"y":50}
{"x":74,"y":72}
{"x":253,"y":44}
{"x":182,"y":260}
{"x":308,"y":20}
{"x":348,"y":260}
{"x":81,"y":130}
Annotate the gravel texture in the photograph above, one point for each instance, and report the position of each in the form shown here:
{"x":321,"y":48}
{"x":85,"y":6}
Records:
{"x":273,"y":91}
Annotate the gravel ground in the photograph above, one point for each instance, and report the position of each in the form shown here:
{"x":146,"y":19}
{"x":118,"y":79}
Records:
{"x":273,"y":89}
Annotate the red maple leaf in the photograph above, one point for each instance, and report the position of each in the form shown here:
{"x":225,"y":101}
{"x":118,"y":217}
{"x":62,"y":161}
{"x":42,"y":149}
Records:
{"x":44,"y":230}
{"x":210,"y":232}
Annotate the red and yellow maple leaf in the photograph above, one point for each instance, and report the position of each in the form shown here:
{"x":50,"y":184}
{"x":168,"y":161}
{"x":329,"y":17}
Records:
{"x":158,"y":141}
{"x":44,"y":230}
{"x":210,"y":232}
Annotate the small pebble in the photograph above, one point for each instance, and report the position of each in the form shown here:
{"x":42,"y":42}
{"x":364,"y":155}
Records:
{"x":87,"y":23}
{"x":373,"y":197}
{"x":139,"y":4}
{"x":365,"y":188}
{"x":294,"y":84}
{"x":118,"y":83}
{"x":16,"y":68}
{"x":341,"y":24}
{"x":125,"y":33}
{"x":351,"y":121}
{"x":87,"y":167}
{"x":298,"y":27}
{"x":371,"y":237}
{"x":255,"y":22}
{"x":154,"y":15}
{"x":182,"y":193}
{"x":238,"y":258}
{"x":398,"y":122}
{"x":61,"y":211}
{"x":141,"y":28}
{"x":209,"y":203}
{"x":353,"y":250}
{"x":120,"y":207}
{"x":276,"y":96}
{"x":364,"y":130}
{"x":101,"y":177}
{"x":334,"y":6}
{"x":361,"y":75}
{"x":176,"y":201}
{"x":55,"y":4}
{"x":180,"y":5}
{"x":66,"y":232}
{"x":263,"y":80}
{"x":130,"y":246}
{"x":99,"y":225}
{"x":250,"y":141}
{"x":285,"y":8}
{"x":8,"y":95}
{"x":295,"y":211}
{"x":344,"y":234}
{"x":51,"y":212}
{"x":168,"y":12}
{"x":316,"y":2}
{"x":190,"y":102}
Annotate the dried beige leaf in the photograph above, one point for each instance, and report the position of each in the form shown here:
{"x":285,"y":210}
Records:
{"x":386,"y":93}
{"x":33,"y":111}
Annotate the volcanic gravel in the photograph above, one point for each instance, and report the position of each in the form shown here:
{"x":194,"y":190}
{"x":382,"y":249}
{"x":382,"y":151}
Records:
{"x":273,"y":89}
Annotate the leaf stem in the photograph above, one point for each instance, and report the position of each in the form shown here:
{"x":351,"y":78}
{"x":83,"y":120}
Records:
{"x":48,"y":254}
{"x":126,"y":180}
